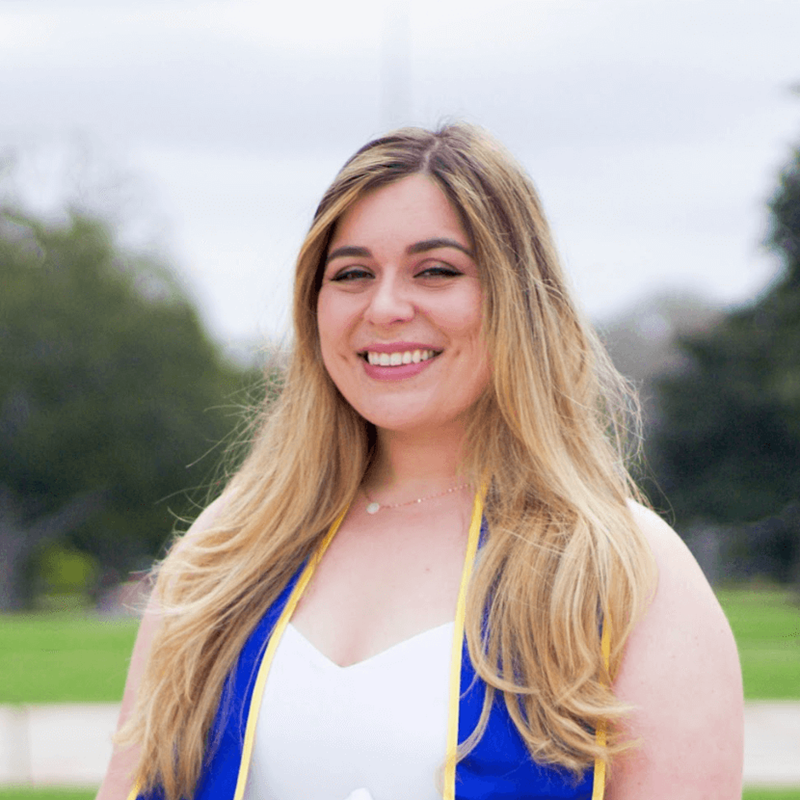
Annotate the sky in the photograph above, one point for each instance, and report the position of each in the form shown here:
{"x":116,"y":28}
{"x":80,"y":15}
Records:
{"x":207,"y":131}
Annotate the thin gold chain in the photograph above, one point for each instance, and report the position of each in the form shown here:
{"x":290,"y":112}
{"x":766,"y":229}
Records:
{"x":373,"y":506}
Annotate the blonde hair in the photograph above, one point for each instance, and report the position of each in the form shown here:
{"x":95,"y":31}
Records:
{"x":547,"y":440}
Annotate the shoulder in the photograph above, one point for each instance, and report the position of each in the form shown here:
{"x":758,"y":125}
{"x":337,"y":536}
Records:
{"x":683,"y":603}
{"x":681,"y":676}
{"x":205,"y":520}
{"x":209,"y":516}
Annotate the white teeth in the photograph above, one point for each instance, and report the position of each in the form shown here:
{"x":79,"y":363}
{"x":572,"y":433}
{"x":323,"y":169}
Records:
{"x":398,"y":358}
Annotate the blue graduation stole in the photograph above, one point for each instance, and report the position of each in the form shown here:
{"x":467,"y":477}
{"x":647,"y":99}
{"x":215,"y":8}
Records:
{"x":499,"y":767}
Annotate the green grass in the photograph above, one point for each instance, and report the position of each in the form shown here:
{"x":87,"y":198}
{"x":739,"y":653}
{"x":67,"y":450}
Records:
{"x":766,"y":624}
{"x":63,"y":658}
{"x":749,"y":794}
{"x":48,"y":794}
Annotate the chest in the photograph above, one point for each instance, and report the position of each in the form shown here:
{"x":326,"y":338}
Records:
{"x":375,"y":589}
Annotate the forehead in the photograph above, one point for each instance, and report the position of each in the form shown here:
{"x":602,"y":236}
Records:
{"x":411,"y":209}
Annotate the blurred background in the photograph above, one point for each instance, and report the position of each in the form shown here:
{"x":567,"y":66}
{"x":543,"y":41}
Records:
{"x":160,"y":163}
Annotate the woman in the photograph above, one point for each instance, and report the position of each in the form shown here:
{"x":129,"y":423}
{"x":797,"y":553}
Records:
{"x":326,"y":629}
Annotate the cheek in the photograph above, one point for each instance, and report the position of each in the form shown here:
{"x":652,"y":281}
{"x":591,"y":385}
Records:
{"x":465,"y":320}
{"x":329,"y":320}
{"x":326,"y":328}
{"x":471,"y":324}
{"x":334,"y":323}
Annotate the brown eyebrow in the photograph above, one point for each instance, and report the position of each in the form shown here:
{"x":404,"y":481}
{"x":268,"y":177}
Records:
{"x":418,"y":247}
{"x":433,"y":244}
{"x":347,"y":250}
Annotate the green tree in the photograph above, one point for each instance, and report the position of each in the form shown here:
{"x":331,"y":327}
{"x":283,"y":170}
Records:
{"x":110,"y":390}
{"x":727,"y":443}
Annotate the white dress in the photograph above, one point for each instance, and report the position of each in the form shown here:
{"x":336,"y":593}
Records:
{"x":327,"y":732}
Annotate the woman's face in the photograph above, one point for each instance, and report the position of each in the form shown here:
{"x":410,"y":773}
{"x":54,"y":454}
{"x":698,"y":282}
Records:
{"x":399,"y":312}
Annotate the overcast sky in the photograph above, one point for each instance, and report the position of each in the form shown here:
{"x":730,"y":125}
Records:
{"x":654,"y":129}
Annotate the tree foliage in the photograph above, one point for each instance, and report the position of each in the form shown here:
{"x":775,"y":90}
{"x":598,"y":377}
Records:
{"x":727,"y":445}
{"x":110,"y":389}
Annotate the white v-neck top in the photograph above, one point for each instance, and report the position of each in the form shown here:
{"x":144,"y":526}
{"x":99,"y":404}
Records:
{"x":325,"y":731}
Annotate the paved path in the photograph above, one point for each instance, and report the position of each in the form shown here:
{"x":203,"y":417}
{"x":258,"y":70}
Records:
{"x":772,"y":743}
{"x":71,"y":744}
{"x":56,"y":744}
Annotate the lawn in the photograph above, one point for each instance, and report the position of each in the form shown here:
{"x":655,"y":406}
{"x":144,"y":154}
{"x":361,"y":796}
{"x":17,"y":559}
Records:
{"x":55,"y":794}
{"x":749,"y":794}
{"x":70,"y":657}
{"x":64,"y":657}
{"x":766,"y":624}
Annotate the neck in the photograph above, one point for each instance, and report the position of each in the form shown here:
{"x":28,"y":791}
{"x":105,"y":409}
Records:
{"x":416,"y":464}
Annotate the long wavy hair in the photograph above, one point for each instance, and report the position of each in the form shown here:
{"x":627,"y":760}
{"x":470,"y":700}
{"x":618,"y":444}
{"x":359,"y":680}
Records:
{"x":547,"y":439}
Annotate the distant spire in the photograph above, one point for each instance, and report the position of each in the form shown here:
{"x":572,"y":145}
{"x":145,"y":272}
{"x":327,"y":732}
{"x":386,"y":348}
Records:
{"x":395,"y":66}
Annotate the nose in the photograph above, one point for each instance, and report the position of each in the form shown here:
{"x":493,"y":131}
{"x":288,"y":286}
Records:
{"x":391,"y":301}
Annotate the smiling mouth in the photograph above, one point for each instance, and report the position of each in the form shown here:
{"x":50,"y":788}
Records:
{"x":400,"y":358}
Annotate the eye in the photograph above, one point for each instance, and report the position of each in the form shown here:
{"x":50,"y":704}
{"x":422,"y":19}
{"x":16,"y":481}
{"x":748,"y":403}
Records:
{"x":351,"y":274}
{"x":438,"y":269}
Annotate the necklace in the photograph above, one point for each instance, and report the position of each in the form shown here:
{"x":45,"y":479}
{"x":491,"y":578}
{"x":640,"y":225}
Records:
{"x":373,"y":506}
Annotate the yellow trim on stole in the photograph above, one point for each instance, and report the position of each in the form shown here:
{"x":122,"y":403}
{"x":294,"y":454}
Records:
{"x":455,"y":662}
{"x":457,"y":649}
{"x":599,"y":787}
